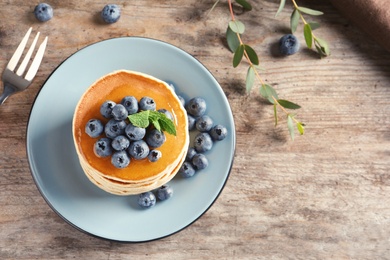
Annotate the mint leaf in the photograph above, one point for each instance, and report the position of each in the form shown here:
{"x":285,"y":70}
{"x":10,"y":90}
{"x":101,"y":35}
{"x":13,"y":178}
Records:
{"x":159,"y":120}
{"x":140,"y":119}
{"x":167,"y":125}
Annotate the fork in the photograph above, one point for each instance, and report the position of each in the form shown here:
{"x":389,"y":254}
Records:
{"x":16,"y":80}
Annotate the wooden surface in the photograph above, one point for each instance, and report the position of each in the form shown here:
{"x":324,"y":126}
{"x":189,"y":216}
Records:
{"x":325,"y":195}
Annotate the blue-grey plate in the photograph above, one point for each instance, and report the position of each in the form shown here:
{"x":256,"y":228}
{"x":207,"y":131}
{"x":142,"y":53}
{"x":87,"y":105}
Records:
{"x":55,"y":166}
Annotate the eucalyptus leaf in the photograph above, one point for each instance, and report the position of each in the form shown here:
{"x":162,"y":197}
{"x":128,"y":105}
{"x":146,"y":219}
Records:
{"x":301,"y":128}
{"x":237,"y":26}
{"x":290,"y":126}
{"x":238,"y":55}
{"x":232,"y":40}
{"x":288,"y":104}
{"x":323,"y":45}
{"x":309,"y":11}
{"x":247,"y":6}
{"x":251,"y":54}
{"x":308,"y":35}
{"x":314,"y":25}
{"x":268,"y":92}
{"x":281,"y":6}
{"x":275,"y":114}
{"x":250,"y":79}
{"x":294,"y":20}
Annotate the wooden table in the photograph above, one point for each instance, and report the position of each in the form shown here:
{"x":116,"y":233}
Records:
{"x":325,"y":195}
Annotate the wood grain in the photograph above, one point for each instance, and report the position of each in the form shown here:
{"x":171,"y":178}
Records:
{"x":323,"y":196}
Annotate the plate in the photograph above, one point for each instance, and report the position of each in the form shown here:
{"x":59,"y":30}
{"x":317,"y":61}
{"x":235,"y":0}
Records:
{"x":54,"y":164}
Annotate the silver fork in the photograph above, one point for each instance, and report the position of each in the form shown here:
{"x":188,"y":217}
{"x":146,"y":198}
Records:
{"x":16,"y":80}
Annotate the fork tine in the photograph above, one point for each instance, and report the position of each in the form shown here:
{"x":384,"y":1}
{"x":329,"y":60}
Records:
{"x":26,"y":59}
{"x":37,"y":61}
{"x":19,"y":51}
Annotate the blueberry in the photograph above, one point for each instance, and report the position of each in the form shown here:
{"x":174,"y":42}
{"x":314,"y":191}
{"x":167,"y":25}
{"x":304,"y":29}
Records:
{"x":155,"y":138}
{"x":218,"y":132}
{"x":106,"y":108}
{"x":187,"y":170}
{"x":134,"y":133}
{"x":119,"y":112}
{"x":147,"y":103}
{"x":191,"y":122}
{"x":43,"y":12}
{"x":200,"y":162}
{"x":146,"y":200}
{"x":120,"y":159}
{"x":111,"y":13}
{"x":204,"y":123}
{"x":138,"y":150}
{"x":196,"y":106}
{"x":166,"y":113}
{"x":102,"y":147}
{"x":203,"y":142}
{"x":94,"y":128}
{"x":182,"y":100}
{"x":131,"y":104}
{"x":120,"y":143}
{"x":288,"y":44}
{"x":154,"y":155}
{"x":164,"y":192}
{"x":114,"y":128}
{"x":190,"y":153}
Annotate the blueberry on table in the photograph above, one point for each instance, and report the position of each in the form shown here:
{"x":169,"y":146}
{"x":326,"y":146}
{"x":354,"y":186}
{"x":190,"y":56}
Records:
{"x":111,"y":13}
{"x":120,"y":159}
{"x":102,"y":147}
{"x":196,"y":106}
{"x":43,"y":12}
{"x":288,"y":44}
{"x":187,"y":170}
{"x":155,"y":138}
{"x":218,"y":132}
{"x":146,"y":200}
{"x":204,"y":123}
{"x":94,"y":128}
{"x":120,"y":143}
{"x":190,"y":153}
{"x":131,"y":104}
{"x":138,"y":150}
{"x":147,"y":103}
{"x":200,"y":161}
{"x":191,"y":122}
{"x":134,"y":133}
{"x":114,"y":128}
{"x":203,"y":142}
{"x":154,"y":155}
{"x":106,"y":108}
{"x":164,"y":192}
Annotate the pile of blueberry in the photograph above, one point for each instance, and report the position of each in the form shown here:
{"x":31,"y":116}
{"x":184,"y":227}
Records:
{"x":121,"y":139}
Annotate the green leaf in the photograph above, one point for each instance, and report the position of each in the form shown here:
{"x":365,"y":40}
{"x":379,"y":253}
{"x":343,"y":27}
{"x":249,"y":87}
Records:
{"x":308,"y":35}
{"x":237,"y":26}
{"x":290,"y":126}
{"x":288,"y":104}
{"x":140,"y":119}
{"x":167,"y":125}
{"x":247,"y":6}
{"x":251,"y":54}
{"x":301,"y":128}
{"x":232,"y":40}
{"x":156,"y":124}
{"x":250,"y":79}
{"x":314,"y":25}
{"x":294,"y":20}
{"x":238,"y":55}
{"x":324,"y":47}
{"x":281,"y":6}
{"x":309,"y":11}
{"x":275,"y":114}
{"x":268,"y":92}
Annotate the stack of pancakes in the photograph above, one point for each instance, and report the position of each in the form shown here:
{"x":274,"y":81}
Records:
{"x":141,"y":175}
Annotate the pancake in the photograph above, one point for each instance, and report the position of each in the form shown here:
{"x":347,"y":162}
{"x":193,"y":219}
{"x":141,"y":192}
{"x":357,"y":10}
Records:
{"x":140,"y":175}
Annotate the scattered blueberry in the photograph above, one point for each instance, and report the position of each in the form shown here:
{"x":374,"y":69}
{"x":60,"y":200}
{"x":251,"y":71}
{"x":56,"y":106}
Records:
{"x":43,"y":12}
{"x":134,"y":133}
{"x":182,"y":100}
{"x":147,"y":103}
{"x":196,"y":106}
{"x":166,"y":113}
{"x":114,"y":128}
{"x":120,"y":143}
{"x":111,"y":13}
{"x":191,"y":122}
{"x":94,"y":128}
{"x":147,"y":199}
{"x":138,"y":150}
{"x":218,"y":132}
{"x":200,"y":161}
{"x":187,"y":170}
{"x":190,"y":153}
{"x":288,"y":44}
{"x":131,"y":104}
{"x":164,"y":192}
{"x":154,"y":155}
{"x":102,"y":147}
{"x":119,"y":112}
{"x":120,"y":159}
{"x":204,"y":123}
{"x":155,"y":138}
{"x":106,"y":108}
{"x":203,"y":142}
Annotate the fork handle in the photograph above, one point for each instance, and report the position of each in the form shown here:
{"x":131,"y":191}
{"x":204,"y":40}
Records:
{"x":7,"y":91}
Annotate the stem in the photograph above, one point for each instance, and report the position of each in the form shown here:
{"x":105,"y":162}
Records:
{"x":302,"y":18}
